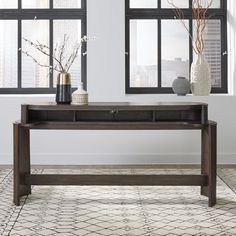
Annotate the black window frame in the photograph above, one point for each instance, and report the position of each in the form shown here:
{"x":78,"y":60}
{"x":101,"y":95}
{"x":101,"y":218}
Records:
{"x":164,"y":13}
{"x":50,"y":14}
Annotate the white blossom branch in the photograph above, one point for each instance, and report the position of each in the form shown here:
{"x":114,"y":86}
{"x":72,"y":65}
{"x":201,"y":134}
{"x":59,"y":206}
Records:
{"x":58,"y":53}
{"x":36,"y":61}
{"x":41,"y":48}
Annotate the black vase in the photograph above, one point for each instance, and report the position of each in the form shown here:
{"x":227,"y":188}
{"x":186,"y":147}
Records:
{"x":63,"y":95}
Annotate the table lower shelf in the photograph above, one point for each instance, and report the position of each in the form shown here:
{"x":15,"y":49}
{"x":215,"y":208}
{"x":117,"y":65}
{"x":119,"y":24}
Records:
{"x":118,"y":180}
{"x":115,"y":125}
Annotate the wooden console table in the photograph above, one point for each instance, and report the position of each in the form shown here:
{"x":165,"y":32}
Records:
{"x":117,"y":116}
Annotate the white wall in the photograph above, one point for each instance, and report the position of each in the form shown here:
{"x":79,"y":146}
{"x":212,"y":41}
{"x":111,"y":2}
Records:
{"x":106,"y":76}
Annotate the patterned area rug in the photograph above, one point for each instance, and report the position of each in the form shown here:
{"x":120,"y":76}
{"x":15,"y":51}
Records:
{"x":116,"y":211}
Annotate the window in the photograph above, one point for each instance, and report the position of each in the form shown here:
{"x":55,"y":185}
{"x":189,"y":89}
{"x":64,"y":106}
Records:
{"x":158,"y":48}
{"x":46,"y":21}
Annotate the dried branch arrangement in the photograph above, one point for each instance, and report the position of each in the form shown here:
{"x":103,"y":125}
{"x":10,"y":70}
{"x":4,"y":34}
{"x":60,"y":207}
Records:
{"x":200,"y":21}
{"x":62,"y":61}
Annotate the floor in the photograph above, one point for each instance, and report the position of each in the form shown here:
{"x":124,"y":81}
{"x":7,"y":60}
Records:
{"x":115,"y":211}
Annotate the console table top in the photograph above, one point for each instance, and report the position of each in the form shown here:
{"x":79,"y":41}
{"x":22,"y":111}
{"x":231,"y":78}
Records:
{"x":52,"y":105}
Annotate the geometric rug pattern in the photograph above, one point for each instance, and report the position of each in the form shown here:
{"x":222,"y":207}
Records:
{"x":119,"y":210}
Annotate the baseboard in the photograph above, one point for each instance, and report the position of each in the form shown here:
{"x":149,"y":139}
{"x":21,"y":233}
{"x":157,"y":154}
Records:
{"x":118,"y":159}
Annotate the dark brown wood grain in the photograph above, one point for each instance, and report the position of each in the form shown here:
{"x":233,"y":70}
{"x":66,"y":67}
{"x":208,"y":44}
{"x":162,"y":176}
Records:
{"x":115,"y":116}
{"x":116,"y":112}
{"x":115,"y":125}
{"x":209,"y":161}
{"x":21,"y":161}
{"x":120,"y":180}
{"x":122,"y":106}
{"x":24,"y":114}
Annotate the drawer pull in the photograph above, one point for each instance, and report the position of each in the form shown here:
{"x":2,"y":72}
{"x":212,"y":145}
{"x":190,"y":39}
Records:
{"x":114,"y":112}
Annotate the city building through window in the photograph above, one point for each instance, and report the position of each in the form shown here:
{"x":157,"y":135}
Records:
{"x":159,"y":49}
{"x":45,"y":22}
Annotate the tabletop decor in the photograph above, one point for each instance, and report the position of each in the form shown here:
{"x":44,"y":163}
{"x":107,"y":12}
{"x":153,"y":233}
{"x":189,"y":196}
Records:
{"x":80,"y":96}
{"x":200,"y":69}
{"x":62,"y":64}
{"x":181,"y":86}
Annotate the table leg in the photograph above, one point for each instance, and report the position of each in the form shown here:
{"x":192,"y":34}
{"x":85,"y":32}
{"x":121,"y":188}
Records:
{"x":21,"y":161}
{"x":209,"y":164}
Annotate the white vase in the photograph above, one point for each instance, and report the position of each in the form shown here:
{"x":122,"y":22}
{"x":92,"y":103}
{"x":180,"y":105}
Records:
{"x":200,"y":77}
{"x":80,"y":96}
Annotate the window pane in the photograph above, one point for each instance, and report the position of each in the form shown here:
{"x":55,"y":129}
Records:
{"x":72,"y":29}
{"x":212,"y":42}
{"x":175,"y":51}
{"x":35,"y":3}
{"x":143,"y":3}
{"x":8,"y":54}
{"x":67,"y":4}
{"x":33,"y":75}
{"x":143,"y":53}
{"x":177,"y":3}
{"x":8,"y":4}
{"x":215,"y":3}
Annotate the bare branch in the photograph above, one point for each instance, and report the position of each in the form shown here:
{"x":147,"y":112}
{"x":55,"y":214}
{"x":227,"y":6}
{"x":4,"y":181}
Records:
{"x":200,"y":21}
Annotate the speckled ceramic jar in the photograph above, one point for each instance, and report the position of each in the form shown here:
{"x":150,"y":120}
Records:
{"x":181,"y":86}
{"x":80,"y":96}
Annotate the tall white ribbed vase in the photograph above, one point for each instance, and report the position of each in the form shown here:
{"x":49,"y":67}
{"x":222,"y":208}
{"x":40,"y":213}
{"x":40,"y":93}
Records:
{"x":200,"y":76}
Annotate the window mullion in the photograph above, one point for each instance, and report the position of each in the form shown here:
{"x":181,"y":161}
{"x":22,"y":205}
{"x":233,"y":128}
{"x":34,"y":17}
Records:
{"x":51,"y":4}
{"x":19,"y":45}
{"x":51,"y":53}
{"x":224,"y":57}
{"x":127,"y":53}
{"x":84,"y":4}
{"x":190,"y":45}
{"x":159,"y":73}
{"x":19,"y":61}
{"x":51,"y":71}
{"x":83,"y":54}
